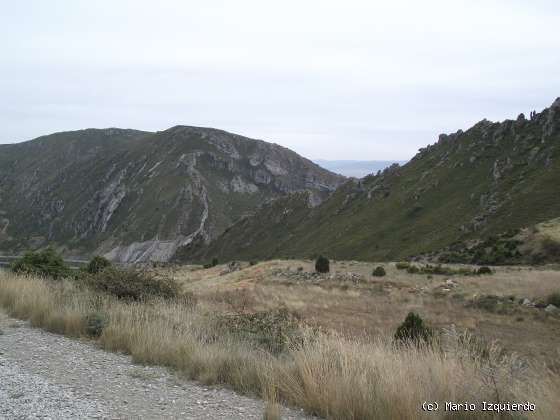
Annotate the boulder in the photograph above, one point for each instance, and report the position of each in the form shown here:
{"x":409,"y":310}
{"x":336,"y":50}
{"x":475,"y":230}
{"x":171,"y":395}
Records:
{"x":552,"y":309}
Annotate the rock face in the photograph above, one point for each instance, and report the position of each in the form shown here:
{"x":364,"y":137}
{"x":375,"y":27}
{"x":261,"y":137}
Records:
{"x":137,"y":196}
{"x":471,"y":184}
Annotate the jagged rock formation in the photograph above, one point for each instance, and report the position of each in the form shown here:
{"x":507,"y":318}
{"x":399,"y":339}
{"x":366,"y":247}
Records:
{"x":138,"y":196}
{"x":472,"y":184}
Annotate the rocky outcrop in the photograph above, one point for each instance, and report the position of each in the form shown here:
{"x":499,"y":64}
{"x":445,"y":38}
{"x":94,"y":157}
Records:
{"x":471,"y":184}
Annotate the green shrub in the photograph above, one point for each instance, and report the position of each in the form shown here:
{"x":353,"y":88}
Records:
{"x":129,"y":284}
{"x":554,"y":299}
{"x":551,"y":248}
{"x":44,"y":263}
{"x":487,"y":302}
{"x":97,"y":264}
{"x":95,"y":323}
{"x":272,"y":330}
{"x":484,"y":270}
{"x":413,"y":330}
{"x":412,"y":269}
{"x":212,"y":263}
{"x":322,"y":265}
{"x":378,"y":272}
{"x":402,"y":265}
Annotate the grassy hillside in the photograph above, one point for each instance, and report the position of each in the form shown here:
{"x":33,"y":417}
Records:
{"x":486,"y":180}
{"x":137,"y":196}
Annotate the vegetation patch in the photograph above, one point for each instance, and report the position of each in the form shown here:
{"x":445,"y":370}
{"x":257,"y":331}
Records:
{"x":45,"y":263}
{"x":322,"y":264}
{"x":130,"y":284}
{"x":379,"y":271}
{"x":212,"y":263}
{"x":439,"y":269}
{"x":413,"y":331}
{"x":553,"y":299}
{"x":402,"y":265}
{"x":95,"y":323}
{"x":493,"y":303}
{"x":97,"y":264}
{"x":273,"y":331}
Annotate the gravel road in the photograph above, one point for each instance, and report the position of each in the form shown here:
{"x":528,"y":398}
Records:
{"x":47,"y":376}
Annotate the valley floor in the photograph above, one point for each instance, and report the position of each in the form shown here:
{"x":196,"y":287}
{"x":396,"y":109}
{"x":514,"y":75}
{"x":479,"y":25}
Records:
{"x":45,"y":375}
{"x":278,"y":330}
{"x":353,"y":302}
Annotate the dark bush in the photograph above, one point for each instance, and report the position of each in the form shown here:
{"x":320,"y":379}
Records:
{"x":131,"y":284}
{"x":412,"y":269}
{"x":44,"y":263}
{"x":95,"y":323}
{"x":378,"y":272}
{"x":211,"y":264}
{"x":322,"y":265}
{"x":551,"y":248}
{"x":97,"y":264}
{"x":487,"y":302}
{"x":413,"y":330}
{"x":554,"y":299}
{"x":484,"y":270}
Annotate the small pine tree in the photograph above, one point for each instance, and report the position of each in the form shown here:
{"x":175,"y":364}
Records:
{"x":413,"y":330}
{"x":322,"y":265}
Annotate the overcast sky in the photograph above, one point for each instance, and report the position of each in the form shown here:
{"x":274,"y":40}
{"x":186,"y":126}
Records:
{"x":329,"y":79}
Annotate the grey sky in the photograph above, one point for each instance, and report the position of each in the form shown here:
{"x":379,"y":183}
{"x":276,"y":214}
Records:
{"x":329,"y":79}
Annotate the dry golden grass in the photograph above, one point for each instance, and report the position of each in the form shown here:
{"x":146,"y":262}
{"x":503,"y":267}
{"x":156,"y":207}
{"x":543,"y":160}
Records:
{"x":376,"y":306}
{"x":326,"y":374}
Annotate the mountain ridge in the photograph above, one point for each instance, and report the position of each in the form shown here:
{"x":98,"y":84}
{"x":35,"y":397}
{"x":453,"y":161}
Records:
{"x":136,"y":196}
{"x":485,"y":180}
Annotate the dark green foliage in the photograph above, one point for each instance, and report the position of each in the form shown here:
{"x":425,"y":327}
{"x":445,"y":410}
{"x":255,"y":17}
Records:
{"x":43,"y":263}
{"x":322,"y":264}
{"x":402,"y":265}
{"x":484,"y":270}
{"x":495,"y":250}
{"x":487,"y":302}
{"x":378,"y":272}
{"x":95,"y":323}
{"x":274,"y":330}
{"x":97,"y":264}
{"x":439,"y":270}
{"x":130,"y":284}
{"x":212,"y":263}
{"x":252,"y":263}
{"x":551,"y":248}
{"x":554,"y":299}
{"x":413,"y":330}
{"x":493,"y":303}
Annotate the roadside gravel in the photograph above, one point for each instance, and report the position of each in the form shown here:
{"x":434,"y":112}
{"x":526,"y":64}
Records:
{"x":47,"y":376}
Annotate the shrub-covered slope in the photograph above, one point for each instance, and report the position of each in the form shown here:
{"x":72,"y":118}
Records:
{"x":489,"y":179}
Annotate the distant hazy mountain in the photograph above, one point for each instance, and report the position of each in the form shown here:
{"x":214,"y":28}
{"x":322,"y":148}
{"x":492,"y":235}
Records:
{"x":137,"y":196}
{"x":356,"y":168}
